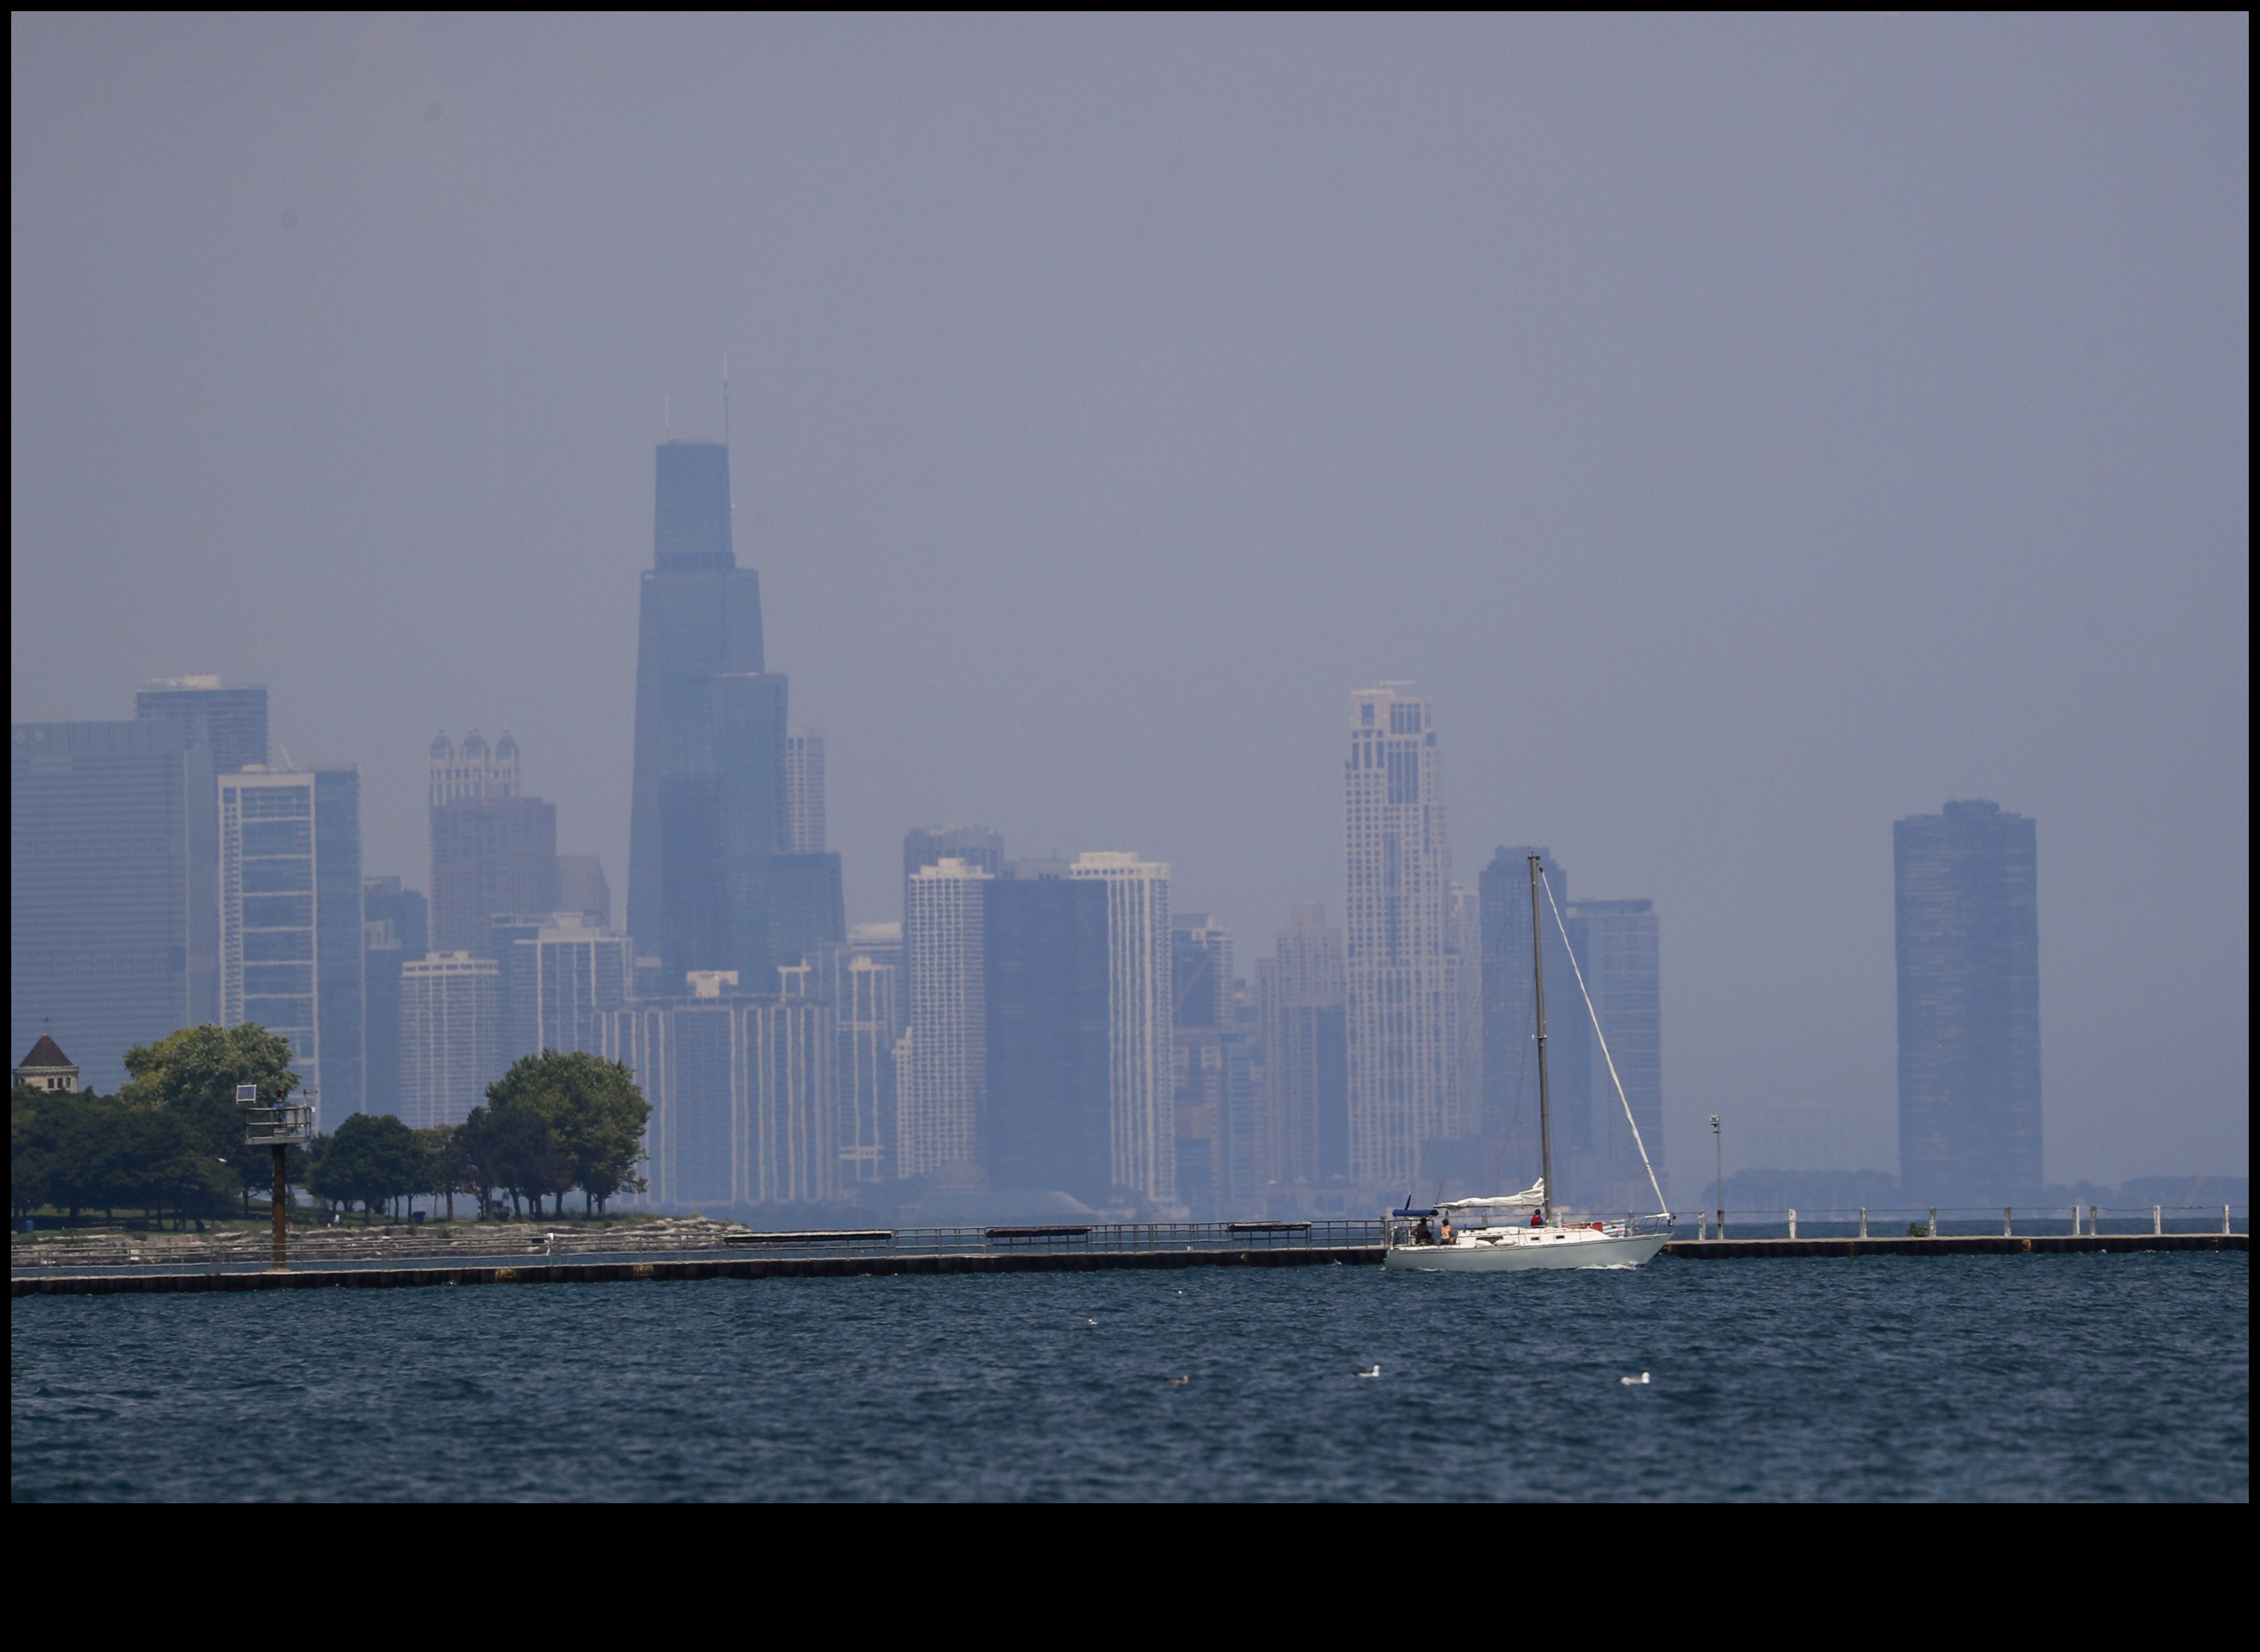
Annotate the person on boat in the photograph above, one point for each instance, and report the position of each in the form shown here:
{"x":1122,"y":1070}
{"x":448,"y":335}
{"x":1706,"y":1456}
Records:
{"x":1538,"y":1219}
{"x":1444,"y":1230}
{"x":1421,"y":1235}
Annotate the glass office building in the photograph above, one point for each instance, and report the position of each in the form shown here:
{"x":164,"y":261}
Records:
{"x":290,"y":940}
{"x":111,"y":907}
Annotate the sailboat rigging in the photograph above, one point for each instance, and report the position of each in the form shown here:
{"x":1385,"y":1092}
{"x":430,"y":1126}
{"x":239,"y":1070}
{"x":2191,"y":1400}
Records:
{"x":1482,"y":1243}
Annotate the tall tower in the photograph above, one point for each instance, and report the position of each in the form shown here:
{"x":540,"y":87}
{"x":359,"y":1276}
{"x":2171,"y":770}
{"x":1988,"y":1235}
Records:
{"x":711,"y":883}
{"x":1304,"y":1135}
{"x":1400,"y":981}
{"x":942,"y":1063}
{"x":1967,"y":892}
{"x":290,"y":953}
{"x":231,"y":723}
{"x":112,"y":894}
{"x":1141,"y":1067}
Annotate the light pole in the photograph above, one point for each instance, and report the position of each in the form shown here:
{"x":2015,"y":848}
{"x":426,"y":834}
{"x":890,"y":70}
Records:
{"x":275,"y":1126}
{"x":1718,"y":1140}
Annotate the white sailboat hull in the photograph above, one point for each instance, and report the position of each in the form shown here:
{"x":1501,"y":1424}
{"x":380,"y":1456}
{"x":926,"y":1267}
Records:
{"x":1533,"y":1247}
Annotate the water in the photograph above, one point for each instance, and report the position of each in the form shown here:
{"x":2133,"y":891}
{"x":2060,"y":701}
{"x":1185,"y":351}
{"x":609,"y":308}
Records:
{"x":2043,"y":1378}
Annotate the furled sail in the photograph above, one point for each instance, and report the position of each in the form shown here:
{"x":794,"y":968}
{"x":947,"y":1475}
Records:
{"x":1529,"y":1200}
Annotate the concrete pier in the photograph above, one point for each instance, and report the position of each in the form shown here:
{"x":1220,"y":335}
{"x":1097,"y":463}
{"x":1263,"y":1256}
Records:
{"x":729,"y":1264}
{"x":720,"y":1267}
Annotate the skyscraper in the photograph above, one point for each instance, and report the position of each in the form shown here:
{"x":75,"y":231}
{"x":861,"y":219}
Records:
{"x":1616,"y":947}
{"x":561,"y":978}
{"x":112,"y":909}
{"x":1966,"y":883}
{"x":290,"y":940}
{"x":394,"y":931}
{"x":451,"y":1033}
{"x":493,"y":851}
{"x":710,"y":802}
{"x":941,"y":1063}
{"x":1401,"y":1018}
{"x":1141,"y":1079}
{"x":861,"y":978}
{"x":581,"y":888}
{"x":803,"y":790}
{"x":1509,"y":1119}
{"x":741,"y":1090}
{"x":1304,"y":1130}
{"x":1214,"y":1141}
{"x":230,"y":723}
{"x":1046,"y":1123}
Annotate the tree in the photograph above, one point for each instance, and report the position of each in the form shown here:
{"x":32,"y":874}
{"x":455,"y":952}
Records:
{"x":443,"y":1173}
{"x":472,"y":1149}
{"x":372,"y":1160}
{"x":567,"y":1119}
{"x":38,"y":1134}
{"x":194,"y":1073}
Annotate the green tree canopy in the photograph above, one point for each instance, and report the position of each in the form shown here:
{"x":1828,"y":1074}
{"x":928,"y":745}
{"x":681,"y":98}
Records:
{"x":193,"y":1073}
{"x":373,"y":1159}
{"x":561,"y":1119}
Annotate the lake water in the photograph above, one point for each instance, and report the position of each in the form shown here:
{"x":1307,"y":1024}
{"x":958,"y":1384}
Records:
{"x":2039,"y":1377}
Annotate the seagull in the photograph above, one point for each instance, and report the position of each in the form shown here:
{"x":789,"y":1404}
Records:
{"x":1179,"y":1382}
{"x":1375,"y":1371}
{"x":1090,"y":1322}
{"x":1640,"y":1381}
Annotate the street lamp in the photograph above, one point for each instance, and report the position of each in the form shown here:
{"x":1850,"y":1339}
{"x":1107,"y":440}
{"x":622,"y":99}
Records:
{"x":277,"y":1126}
{"x":1718,"y":1140}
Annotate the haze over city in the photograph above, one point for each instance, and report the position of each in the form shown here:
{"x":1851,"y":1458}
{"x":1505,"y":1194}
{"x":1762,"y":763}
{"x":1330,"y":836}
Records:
{"x":1749,"y":431}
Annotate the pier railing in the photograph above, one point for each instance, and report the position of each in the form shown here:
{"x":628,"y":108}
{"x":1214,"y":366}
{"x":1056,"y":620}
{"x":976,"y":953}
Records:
{"x":1943,"y":1221}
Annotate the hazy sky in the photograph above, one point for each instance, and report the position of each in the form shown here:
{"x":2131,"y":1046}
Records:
{"x":1750,"y":430}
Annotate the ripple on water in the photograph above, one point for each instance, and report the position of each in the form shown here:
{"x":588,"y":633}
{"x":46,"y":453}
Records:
{"x":2002,"y":1377}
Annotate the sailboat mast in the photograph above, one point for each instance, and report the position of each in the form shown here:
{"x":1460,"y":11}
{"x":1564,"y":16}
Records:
{"x":1538,"y":1002}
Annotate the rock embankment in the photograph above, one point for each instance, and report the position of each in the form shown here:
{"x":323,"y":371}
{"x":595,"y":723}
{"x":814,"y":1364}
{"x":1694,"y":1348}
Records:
{"x":331,"y":1246}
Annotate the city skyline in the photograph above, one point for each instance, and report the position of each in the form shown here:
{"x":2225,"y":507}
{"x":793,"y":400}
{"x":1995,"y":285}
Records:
{"x":1738,"y":476}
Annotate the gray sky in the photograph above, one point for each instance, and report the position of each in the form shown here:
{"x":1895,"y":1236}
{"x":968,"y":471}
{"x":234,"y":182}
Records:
{"x":1750,"y":430}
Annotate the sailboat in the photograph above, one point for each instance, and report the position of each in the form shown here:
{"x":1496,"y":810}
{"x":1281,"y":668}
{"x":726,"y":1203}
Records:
{"x":1491,"y":1235}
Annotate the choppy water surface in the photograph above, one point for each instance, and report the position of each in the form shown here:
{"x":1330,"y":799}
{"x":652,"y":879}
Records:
{"x":2025,"y":1378}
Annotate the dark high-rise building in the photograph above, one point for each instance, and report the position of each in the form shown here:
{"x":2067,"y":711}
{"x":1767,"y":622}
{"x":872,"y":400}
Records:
{"x":1509,"y":1124}
{"x":1303,"y":1131}
{"x":113,"y":901}
{"x":1966,"y":884}
{"x":710,"y":884}
{"x":581,"y":888}
{"x":1615,"y":943}
{"x":230,"y":723}
{"x":1046,"y":1124}
{"x":394,"y":932}
{"x":494,"y":853}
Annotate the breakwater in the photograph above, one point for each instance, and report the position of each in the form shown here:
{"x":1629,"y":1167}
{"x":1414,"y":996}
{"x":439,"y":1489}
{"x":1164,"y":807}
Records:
{"x":851,"y":1263}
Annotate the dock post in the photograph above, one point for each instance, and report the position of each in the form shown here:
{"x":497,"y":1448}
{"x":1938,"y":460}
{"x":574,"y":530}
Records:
{"x":1792,"y":1221}
{"x":2224,"y":1218}
{"x":2095,"y":1220}
{"x":2157,"y":1219}
{"x":2075,"y":1221}
{"x":2004,"y":1220}
{"x":1934,"y":1222}
{"x":1703,"y":1224}
{"x":1863,"y":1222}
